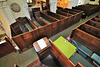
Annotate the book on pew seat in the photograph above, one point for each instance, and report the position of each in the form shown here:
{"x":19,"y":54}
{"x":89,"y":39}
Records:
{"x":65,"y":47}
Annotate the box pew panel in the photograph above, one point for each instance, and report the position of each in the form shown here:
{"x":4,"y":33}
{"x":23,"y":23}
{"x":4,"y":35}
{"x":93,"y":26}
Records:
{"x":87,"y":40}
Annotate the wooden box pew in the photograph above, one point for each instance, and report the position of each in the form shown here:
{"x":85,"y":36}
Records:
{"x":55,"y":15}
{"x":89,"y":41}
{"x":77,"y":16}
{"x":48,"y":18}
{"x":53,"y":24}
{"x":95,"y":7}
{"x":25,"y":40}
{"x":93,"y":23}
{"x":21,"y":26}
{"x":80,"y":8}
{"x":49,"y":29}
{"x":78,"y":11}
{"x":70,"y":16}
{"x":40,"y":21}
{"x":90,"y":30}
{"x":74,"y":10}
{"x":45,"y":17}
{"x":68,"y":11}
{"x":63,"y":13}
{"x":96,"y":19}
{"x":88,"y":9}
{"x":64,"y":23}
{"x":72,"y":19}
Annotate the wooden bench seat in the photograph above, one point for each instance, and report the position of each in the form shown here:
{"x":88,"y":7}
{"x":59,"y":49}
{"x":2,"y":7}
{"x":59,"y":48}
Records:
{"x":21,"y":26}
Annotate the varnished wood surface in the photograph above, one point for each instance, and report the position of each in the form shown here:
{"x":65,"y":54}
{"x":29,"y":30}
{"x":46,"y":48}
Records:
{"x":47,"y":30}
{"x":65,"y":62}
{"x":19,"y":26}
{"x":6,"y":48}
{"x":60,"y":59}
{"x":91,"y":30}
{"x":88,"y":9}
{"x":93,"y":23}
{"x":88,"y":34}
{"x":87,"y":40}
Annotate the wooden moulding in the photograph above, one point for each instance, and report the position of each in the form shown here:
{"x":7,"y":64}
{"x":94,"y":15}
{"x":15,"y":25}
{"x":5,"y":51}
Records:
{"x":88,"y":9}
{"x":65,"y":62}
{"x":90,"y":29}
{"x":55,"y":15}
{"x":77,"y":16}
{"x":74,"y":10}
{"x":15,"y":27}
{"x":97,"y":19}
{"x":40,"y":21}
{"x":48,"y":30}
{"x":49,"y":18}
{"x":87,"y":40}
{"x":42,"y":32}
{"x":24,"y":41}
{"x":93,"y":23}
{"x":63,"y":13}
{"x":55,"y":27}
{"x":68,"y":11}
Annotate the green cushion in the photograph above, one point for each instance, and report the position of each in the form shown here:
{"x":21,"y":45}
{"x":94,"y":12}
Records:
{"x":96,"y":57}
{"x":66,"y":48}
{"x":83,"y":48}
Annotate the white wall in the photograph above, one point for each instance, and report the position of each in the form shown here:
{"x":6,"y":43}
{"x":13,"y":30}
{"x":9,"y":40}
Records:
{"x":24,"y":8}
{"x":94,"y":2}
{"x":5,"y":24}
{"x":75,"y":3}
{"x":80,"y":2}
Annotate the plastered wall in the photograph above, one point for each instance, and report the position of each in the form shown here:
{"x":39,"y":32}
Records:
{"x":24,"y":8}
{"x":5,"y":24}
{"x":94,"y":2}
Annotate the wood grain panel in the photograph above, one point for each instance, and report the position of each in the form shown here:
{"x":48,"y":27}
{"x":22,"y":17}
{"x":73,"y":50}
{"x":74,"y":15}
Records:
{"x":48,"y":30}
{"x":93,"y":23}
{"x":42,"y":32}
{"x":91,"y":30}
{"x":87,"y":40}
